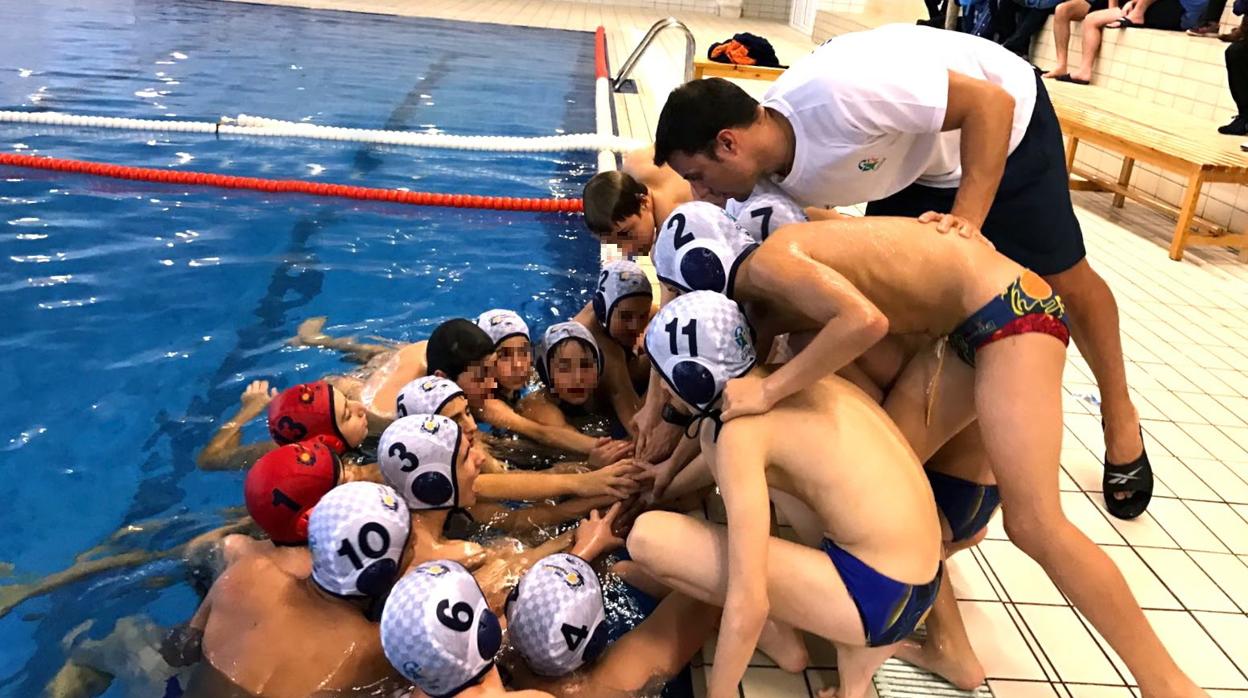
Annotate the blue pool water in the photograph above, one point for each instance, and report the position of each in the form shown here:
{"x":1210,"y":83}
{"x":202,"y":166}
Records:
{"x":134,"y":315}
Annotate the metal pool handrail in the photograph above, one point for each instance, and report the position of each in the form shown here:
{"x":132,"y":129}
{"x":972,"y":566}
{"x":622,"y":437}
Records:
{"x":635,"y":56}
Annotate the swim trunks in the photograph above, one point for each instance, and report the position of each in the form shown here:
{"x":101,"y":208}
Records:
{"x":966,"y":505}
{"x":1026,"y":305}
{"x":890,"y":610}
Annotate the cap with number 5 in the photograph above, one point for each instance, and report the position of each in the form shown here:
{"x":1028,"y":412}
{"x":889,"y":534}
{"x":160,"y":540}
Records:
{"x":699,"y":342}
{"x":555,"y":615}
{"x":700,"y":248}
{"x":437,"y":629}
{"x":357,"y":534}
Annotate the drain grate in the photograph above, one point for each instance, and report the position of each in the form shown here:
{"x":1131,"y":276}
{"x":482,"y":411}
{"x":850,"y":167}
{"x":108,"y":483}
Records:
{"x":896,"y":679}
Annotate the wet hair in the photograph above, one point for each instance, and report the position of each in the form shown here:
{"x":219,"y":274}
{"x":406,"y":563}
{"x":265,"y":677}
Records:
{"x":455,"y":345}
{"x":696,"y":112}
{"x":610,"y":197}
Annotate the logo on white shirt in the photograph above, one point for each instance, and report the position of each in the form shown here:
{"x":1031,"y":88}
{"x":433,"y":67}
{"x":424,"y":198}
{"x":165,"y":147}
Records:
{"x":870,"y":164}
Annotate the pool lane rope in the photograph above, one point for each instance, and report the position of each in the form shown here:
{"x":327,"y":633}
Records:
{"x":288,"y":186}
{"x":261,"y":127}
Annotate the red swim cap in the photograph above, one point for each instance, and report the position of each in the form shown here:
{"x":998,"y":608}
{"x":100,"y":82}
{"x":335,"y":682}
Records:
{"x":305,"y":411}
{"x":284,"y":485}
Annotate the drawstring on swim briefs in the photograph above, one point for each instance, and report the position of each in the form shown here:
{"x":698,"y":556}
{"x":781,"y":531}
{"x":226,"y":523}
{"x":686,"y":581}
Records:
{"x":932,"y":384}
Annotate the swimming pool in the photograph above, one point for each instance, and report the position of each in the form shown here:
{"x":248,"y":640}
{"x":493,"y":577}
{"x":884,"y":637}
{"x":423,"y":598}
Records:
{"x":134,"y":314}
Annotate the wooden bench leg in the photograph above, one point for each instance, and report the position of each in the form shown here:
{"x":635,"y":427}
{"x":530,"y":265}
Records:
{"x":1124,"y":178}
{"x":1072,"y":144}
{"x":1186,"y":214}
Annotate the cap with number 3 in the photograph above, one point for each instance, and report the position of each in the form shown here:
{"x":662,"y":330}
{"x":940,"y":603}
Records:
{"x":357,"y":534}
{"x":437,"y":629}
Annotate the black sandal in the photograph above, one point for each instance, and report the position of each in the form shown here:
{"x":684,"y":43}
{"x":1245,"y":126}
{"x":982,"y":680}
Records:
{"x":1135,"y":478}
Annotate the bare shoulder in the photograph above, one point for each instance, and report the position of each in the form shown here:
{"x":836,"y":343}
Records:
{"x":538,"y":405}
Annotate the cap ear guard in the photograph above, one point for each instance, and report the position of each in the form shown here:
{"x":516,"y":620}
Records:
{"x":700,"y":248}
{"x":416,"y":455}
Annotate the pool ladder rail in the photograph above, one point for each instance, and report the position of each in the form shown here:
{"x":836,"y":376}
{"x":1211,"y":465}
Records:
{"x":622,"y":77}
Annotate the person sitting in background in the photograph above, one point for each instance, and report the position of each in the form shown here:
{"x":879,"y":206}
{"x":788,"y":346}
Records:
{"x":1018,"y":21}
{"x":1098,"y":15}
{"x":1237,"y":79}
{"x":1211,"y":22}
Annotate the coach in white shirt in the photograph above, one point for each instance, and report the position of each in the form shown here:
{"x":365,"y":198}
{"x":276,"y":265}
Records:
{"x":942,"y":125}
{"x":922,"y":122}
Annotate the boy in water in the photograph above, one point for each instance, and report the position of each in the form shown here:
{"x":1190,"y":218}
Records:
{"x":879,"y":568}
{"x":850,"y":282}
{"x":264,"y":631}
{"x":622,"y":306}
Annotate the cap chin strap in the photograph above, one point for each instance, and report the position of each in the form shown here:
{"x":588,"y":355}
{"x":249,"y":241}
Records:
{"x":695,"y":426}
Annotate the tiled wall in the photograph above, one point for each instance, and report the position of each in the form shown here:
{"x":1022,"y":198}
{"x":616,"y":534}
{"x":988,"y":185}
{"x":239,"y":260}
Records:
{"x":1176,"y":73}
{"x":1172,"y":71}
{"x":767,"y":9}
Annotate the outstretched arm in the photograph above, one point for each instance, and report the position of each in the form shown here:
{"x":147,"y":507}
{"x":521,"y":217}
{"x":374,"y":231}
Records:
{"x":540,"y":425}
{"x":617,"y":481}
{"x":738,"y":466}
{"x":537,"y":517}
{"x":224,"y":451}
{"x":850,"y":324}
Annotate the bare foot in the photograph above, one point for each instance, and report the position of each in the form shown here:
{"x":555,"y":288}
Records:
{"x":784,"y":645}
{"x":1056,"y":72}
{"x":964,"y":672}
{"x":309,"y":332}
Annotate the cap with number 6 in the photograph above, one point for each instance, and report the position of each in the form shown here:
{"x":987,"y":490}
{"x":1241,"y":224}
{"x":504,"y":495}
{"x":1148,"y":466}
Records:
{"x":437,"y":629}
{"x":555,"y":615}
{"x":357,"y":534}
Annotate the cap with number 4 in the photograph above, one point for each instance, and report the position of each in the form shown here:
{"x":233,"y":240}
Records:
{"x":699,"y":342}
{"x":700,"y":248}
{"x":357,"y":534}
{"x":555,"y":615}
{"x":437,"y":629}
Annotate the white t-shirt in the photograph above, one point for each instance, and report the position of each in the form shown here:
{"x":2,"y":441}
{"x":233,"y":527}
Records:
{"x":867,"y":109}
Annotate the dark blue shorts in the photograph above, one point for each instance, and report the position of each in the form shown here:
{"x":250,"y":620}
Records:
{"x":1032,"y":220}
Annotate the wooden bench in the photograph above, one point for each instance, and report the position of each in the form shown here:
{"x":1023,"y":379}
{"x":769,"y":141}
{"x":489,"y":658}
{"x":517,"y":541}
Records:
{"x":1151,"y":134}
{"x":711,"y":69}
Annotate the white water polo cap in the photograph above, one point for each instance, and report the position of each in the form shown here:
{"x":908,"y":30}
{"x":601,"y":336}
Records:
{"x":558,"y":334}
{"x":501,"y":325}
{"x":699,"y":342}
{"x":417,"y":457}
{"x":437,"y":629}
{"x":555,"y":616}
{"x":766,"y":210}
{"x":617,"y":281}
{"x":357,"y":533}
{"x":427,"y":395}
{"x":700,"y":248}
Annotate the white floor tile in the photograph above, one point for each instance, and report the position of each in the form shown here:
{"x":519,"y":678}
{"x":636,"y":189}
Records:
{"x":1186,"y":580}
{"x":1183,"y":526}
{"x":1180,"y":479}
{"x":1227,"y":525}
{"x":1090,"y":518}
{"x":1085,"y":691}
{"x":1220,"y":478}
{"x":1143,"y":531}
{"x":1022,"y":689}
{"x":1194,"y":651}
{"x":1230,"y":632}
{"x":998,"y":642}
{"x":1147,"y":588}
{"x":1229,"y":572}
{"x":1024,"y":580}
{"x":1068,"y":645}
{"x":968,"y":578}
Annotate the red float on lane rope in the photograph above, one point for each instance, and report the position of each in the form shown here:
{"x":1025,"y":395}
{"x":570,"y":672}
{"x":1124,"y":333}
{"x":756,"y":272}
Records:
{"x":293,"y":186}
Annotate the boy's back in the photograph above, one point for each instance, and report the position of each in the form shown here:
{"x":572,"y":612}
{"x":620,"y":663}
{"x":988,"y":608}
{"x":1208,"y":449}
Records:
{"x":833,"y":448}
{"x":269,"y":633}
